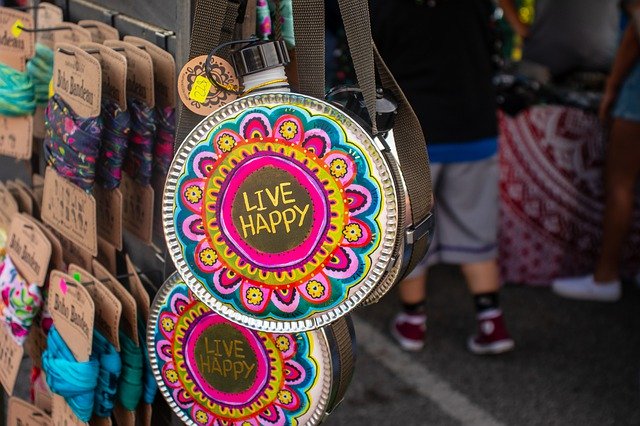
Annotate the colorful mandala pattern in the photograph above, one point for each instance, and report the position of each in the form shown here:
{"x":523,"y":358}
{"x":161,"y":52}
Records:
{"x":269,"y":379}
{"x":277,"y":213}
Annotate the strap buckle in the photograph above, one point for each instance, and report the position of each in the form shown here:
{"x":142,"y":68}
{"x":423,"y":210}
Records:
{"x":420,"y":230}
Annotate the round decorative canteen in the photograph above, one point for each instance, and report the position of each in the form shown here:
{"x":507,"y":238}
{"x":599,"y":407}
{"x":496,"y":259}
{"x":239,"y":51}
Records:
{"x":215,"y":372}
{"x":280,"y":212}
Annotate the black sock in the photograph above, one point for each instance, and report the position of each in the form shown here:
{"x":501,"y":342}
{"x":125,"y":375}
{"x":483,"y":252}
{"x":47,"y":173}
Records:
{"x":486,"y":301}
{"x":414,"y":308}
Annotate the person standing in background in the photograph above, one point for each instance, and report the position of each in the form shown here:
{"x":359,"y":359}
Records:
{"x":621,"y":108}
{"x":440,"y":53}
{"x":568,"y":35}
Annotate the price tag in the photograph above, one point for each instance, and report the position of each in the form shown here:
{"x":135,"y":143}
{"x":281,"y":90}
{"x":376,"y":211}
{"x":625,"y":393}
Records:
{"x":200,"y":89}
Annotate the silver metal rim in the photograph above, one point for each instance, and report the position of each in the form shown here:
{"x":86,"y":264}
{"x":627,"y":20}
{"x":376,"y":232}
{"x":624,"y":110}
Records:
{"x":319,"y":412}
{"x":387,"y":244}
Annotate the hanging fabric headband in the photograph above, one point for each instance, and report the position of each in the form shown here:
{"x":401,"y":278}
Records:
{"x":150,"y":386}
{"x":72,"y":143}
{"x":139,"y":160}
{"x":115,"y":139}
{"x":21,"y":301}
{"x":130,"y":385}
{"x":40,"y":69}
{"x":17,"y":96}
{"x":165,"y":137}
{"x":75,"y":381}
{"x":88,"y":387}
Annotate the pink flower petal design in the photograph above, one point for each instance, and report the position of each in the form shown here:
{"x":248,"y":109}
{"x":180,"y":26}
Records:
{"x":273,"y":416}
{"x":316,"y":290}
{"x":341,"y":167}
{"x":255,"y":126}
{"x":343,"y":264}
{"x":167,"y":318}
{"x":182,"y":398}
{"x":289,"y":128}
{"x":291,"y":349}
{"x":358,"y":198}
{"x":356,"y":234}
{"x":203,"y":164}
{"x":179,"y":303}
{"x":206,"y":258}
{"x":225,"y":140}
{"x":287,"y":399}
{"x":286,"y":300}
{"x":192,"y":194}
{"x":254,"y":297}
{"x":226,"y":281}
{"x":192,"y":228}
{"x":317,"y":141}
{"x":294,"y":372}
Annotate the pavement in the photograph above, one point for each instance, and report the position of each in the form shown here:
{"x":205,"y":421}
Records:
{"x":575,"y":363}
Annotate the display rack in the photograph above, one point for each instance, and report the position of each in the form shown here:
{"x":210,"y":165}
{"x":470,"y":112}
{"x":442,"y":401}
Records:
{"x":166,"y":23}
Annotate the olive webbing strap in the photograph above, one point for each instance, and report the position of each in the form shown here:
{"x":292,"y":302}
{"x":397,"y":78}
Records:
{"x":210,"y":28}
{"x":414,"y":160}
{"x":409,"y":138}
{"x":308,"y":29}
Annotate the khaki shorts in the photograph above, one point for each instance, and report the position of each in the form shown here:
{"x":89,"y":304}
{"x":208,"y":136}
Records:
{"x":466,"y":227}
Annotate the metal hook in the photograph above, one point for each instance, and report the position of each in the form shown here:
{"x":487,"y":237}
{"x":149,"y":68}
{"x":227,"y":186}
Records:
{"x":43,"y":30}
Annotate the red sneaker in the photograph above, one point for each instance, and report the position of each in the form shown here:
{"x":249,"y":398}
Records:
{"x":492,"y":337}
{"x":409,"y":330}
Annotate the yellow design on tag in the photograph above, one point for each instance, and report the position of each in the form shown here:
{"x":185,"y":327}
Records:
{"x":200,"y":90}
{"x":51,"y":91}
{"x":16,"y":29}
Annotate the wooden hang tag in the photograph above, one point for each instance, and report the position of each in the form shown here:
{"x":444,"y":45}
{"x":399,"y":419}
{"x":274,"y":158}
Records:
{"x":49,"y":16}
{"x":21,"y":413}
{"x":99,"y":30}
{"x":62,"y":415}
{"x":8,"y":207}
{"x":70,"y":211}
{"x":109,"y":215}
{"x":72,"y":310}
{"x":77,"y":78}
{"x":198,"y":93}
{"x":143,"y":302}
{"x":16,"y":134}
{"x":36,"y":344}
{"x":73,"y":253}
{"x":38,"y":188}
{"x":137,"y":290}
{"x":14,"y":41}
{"x":140,"y":82}
{"x":107,"y":306}
{"x":137,"y":208}
{"x":74,"y":34}
{"x":39,"y":128}
{"x":29,"y":249}
{"x":32,"y":197}
{"x":164,"y":71}
{"x":25,"y":203}
{"x":107,"y":255}
{"x":57,"y":257}
{"x":10,"y":358}
{"x":157,"y":184}
{"x":114,"y":73}
{"x":129,"y":319}
{"x":16,"y":45}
